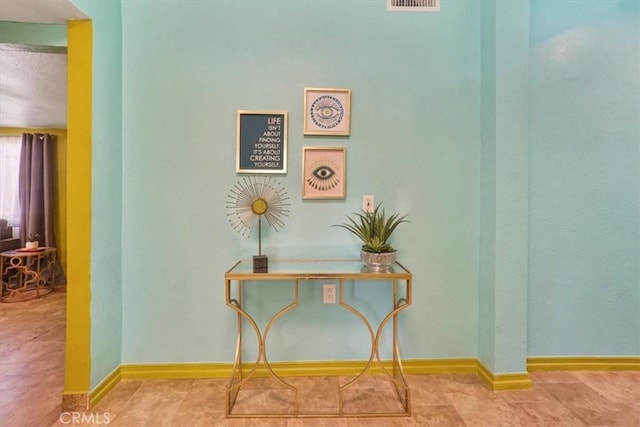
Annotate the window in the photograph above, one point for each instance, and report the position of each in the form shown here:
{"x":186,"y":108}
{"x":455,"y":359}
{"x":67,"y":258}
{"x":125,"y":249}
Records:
{"x":9,"y":167}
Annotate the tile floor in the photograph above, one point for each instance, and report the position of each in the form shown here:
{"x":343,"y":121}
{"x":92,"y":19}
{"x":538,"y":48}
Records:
{"x":32,"y":360}
{"x":31,"y":384}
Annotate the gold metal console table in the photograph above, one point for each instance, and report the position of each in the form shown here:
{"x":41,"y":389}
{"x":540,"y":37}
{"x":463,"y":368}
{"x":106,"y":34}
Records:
{"x":300,"y":270}
{"x":27,"y":274}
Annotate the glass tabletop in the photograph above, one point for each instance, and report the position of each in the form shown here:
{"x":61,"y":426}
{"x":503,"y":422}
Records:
{"x":312,"y":268}
{"x":28,"y":252}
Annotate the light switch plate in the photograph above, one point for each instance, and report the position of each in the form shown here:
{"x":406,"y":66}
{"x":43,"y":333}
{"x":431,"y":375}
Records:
{"x":367,"y":203}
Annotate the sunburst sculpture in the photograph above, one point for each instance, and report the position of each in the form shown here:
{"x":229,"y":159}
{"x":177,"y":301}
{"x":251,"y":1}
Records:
{"x":249,"y":200}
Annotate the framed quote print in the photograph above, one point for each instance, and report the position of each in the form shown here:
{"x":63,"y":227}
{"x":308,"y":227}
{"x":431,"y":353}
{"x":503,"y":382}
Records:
{"x":324,"y":173}
{"x":327,"y":111}
{"x":261,"y":145}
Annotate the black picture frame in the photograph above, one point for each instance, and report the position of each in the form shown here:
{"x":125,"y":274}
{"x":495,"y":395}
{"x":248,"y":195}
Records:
{"x":261,"y":145}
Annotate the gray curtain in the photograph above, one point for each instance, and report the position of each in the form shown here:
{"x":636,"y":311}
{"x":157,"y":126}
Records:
{"x":37,"y":191}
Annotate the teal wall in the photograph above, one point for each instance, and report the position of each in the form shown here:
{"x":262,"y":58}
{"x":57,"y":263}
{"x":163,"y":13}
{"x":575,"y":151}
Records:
{"x":35,"y":34}
{"x":414,"y":144}
{"x":106,"y":271}
{"x":443,"y":128}
{"x":584,"y":291}
{"x":487,"y":218}
{"x":502,"y":284}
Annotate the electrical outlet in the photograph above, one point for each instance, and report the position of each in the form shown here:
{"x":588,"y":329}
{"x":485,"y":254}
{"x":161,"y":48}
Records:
{"x":367,"y":203}
{"x":329,"y":293}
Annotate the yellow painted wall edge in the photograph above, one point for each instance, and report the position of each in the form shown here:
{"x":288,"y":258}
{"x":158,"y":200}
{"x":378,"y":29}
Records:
{"x":583,"y":363}
{"x":515,"y":381}
{"x":79,"y":128}
{"x":411,"y":367}
{"x":104,"y":387}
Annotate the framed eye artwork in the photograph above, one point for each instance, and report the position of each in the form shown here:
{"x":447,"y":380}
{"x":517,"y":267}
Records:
{"x":327,"y":111}
{"x":324,"y":173}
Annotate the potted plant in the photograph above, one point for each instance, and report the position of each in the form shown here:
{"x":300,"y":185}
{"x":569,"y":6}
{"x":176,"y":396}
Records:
{"x":32,"y":241}
{"x":374,"y":229}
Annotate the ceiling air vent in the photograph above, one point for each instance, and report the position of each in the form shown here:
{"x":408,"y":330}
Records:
{"x":413,"y":5}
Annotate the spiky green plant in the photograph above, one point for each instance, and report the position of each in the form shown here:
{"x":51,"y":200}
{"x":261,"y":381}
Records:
{"x":374,"y":228}
{"x":33,"y":237}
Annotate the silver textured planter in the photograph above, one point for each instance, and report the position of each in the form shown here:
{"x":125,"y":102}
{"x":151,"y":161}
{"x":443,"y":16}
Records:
{"x":378,"y":262}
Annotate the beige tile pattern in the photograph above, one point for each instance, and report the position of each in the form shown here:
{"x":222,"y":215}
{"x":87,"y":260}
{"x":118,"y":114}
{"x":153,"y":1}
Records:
{"x":32,"y":360}
{"x":31,"y":384}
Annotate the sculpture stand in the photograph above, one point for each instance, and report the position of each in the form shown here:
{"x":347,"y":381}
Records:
{"x":260,"y":262}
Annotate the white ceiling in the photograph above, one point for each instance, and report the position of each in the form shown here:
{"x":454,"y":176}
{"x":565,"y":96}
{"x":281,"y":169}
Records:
{"x":33,"y":81}
{"x":39,"y":11}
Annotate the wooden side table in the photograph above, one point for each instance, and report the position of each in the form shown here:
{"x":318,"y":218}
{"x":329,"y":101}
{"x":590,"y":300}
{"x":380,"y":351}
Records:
{"x":27,"y":274}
